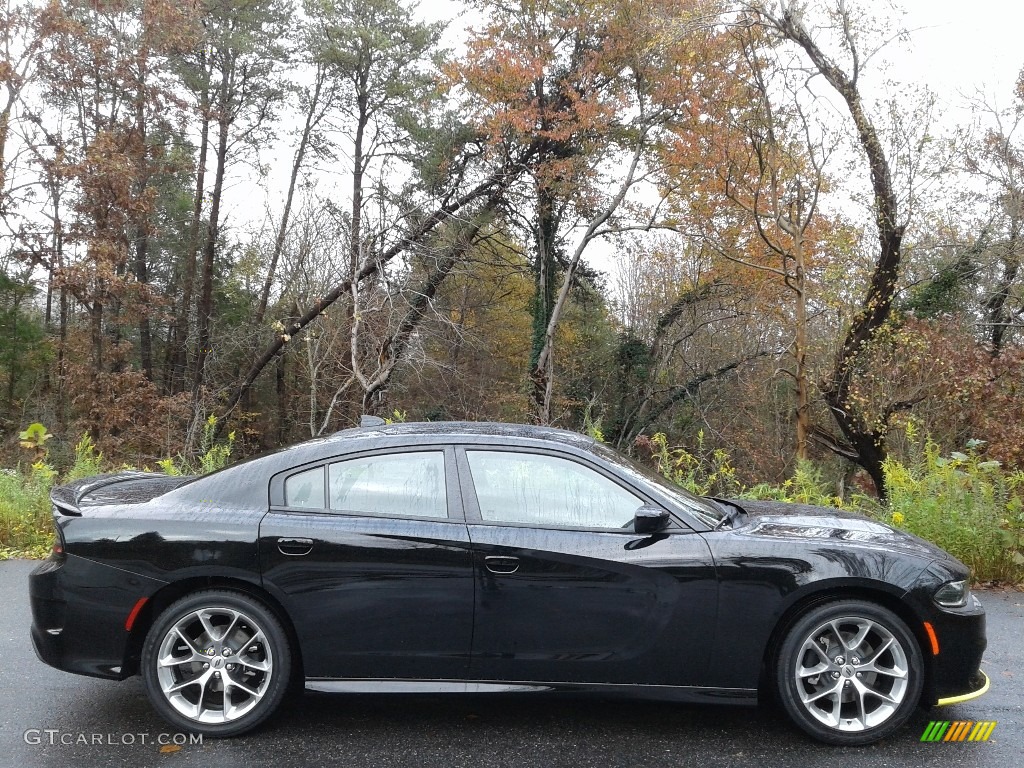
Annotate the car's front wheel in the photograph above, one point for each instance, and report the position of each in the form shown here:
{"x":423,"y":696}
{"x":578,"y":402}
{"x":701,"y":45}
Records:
{"x":849,"y":672}
{"x":216,"y":663}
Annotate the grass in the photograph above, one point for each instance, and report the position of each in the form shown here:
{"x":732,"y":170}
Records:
{"x":26,"y":529}
{"x":26,"y":522}
{"x":971,"y":507}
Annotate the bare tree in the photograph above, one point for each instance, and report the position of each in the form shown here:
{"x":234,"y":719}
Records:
{"x":997,"y":157}
{"x":788,"y":20}
{"x":19,"y":46}
{"x":776,"y":177}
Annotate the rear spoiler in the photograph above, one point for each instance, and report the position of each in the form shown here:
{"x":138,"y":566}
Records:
{"x":64,"y":501}
{"x":68,"y":498}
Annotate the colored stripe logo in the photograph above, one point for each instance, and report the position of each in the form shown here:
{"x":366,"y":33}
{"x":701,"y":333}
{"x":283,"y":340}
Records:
{"x":958,"y":730}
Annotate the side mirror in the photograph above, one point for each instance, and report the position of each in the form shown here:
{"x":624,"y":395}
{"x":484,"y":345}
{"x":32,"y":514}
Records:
{"x":649,"y":519}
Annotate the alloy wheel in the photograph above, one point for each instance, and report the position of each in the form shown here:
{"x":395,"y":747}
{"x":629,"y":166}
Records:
{"x":851,"y":673}
{"x":216,"y":662}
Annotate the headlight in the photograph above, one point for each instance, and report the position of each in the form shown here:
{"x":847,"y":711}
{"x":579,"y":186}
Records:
{"x":952,"y":594}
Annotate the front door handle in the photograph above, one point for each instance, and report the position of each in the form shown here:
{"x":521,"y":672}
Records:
{"x":294,"y":547}
{"x":501,"y":564}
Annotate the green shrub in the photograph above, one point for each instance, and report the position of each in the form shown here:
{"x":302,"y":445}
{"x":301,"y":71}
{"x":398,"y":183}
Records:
{"x":214,"y":455}
{"x":806,"y":486}
{"x":972,"y":508}
{"x":711,"y":473}
{"x":26,"y":527}
{"x":88,"y":461}
{"x":34,"y":437}
{"x":703,"y":472}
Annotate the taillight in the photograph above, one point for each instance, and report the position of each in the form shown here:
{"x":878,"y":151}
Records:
{"x":57,"y":552}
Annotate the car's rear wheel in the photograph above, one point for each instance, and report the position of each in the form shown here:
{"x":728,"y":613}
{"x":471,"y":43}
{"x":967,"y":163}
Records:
{"x":849,"y":672}
{"x":216,"y":663}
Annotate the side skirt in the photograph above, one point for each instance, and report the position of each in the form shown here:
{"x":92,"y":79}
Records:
{"x":663,"y":692}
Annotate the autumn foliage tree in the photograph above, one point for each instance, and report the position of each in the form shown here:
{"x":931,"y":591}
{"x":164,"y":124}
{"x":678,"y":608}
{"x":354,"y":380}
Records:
{"x":624,"y":216}
{"x":758,"y":208}
{"x":106,"y":65}
{"x":592,"y":90}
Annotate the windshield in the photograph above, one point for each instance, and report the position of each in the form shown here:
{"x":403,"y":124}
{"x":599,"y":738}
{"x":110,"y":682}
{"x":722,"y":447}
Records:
{"x":706,"y":511}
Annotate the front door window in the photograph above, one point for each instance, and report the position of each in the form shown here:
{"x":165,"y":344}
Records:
{"x":547,"y":491}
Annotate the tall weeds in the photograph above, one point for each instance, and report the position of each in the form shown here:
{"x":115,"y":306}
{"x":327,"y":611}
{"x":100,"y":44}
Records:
{"x":26,"y":527}
{"x":971,"y":507}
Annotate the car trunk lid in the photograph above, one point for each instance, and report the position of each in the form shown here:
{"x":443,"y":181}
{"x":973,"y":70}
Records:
{"x":127,"y":487}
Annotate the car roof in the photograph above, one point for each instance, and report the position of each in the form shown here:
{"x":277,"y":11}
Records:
{"x":466,"y":429}
{"x":234,"y":481}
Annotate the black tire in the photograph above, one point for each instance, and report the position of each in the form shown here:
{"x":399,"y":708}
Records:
{"x":849,"y":672}
{"x":227,"y":663}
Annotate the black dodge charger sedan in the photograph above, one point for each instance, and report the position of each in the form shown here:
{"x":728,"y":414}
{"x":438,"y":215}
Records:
{"x":494,"y":557}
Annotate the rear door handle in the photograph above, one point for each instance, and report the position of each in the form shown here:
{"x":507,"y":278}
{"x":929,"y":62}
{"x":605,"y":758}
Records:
{"x":501,"y":564}
{"x":295,"y":547}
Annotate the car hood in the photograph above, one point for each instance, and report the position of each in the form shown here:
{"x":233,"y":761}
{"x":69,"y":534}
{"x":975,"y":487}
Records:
{"x":806,"y":522}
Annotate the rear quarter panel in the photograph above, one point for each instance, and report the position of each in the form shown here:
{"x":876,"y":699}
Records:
{"x":208,"y":527}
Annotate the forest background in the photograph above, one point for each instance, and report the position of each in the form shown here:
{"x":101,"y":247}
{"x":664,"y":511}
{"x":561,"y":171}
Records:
{"x":717,"y":235}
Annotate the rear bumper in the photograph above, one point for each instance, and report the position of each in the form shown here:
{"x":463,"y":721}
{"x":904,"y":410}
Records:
{"x":79,"y":609}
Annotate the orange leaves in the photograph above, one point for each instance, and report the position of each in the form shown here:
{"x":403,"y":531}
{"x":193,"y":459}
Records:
{"x":572,"y":88}
{"x":100,"y":64}
{"x":137,"y":422}
{"x":109,"y":175}
{"x":569,"y":71}
{"x":113,"y":205}
{"x":171,"y":26}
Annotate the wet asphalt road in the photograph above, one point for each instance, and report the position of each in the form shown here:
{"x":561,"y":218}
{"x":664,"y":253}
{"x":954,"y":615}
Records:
{"x":481,"y":731}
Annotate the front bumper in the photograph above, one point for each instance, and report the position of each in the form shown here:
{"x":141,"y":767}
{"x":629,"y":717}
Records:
{"x":980,"y":688}
{"x":952,"y":639}
{"x":956,"y":669}
{"x":79,"y":609}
